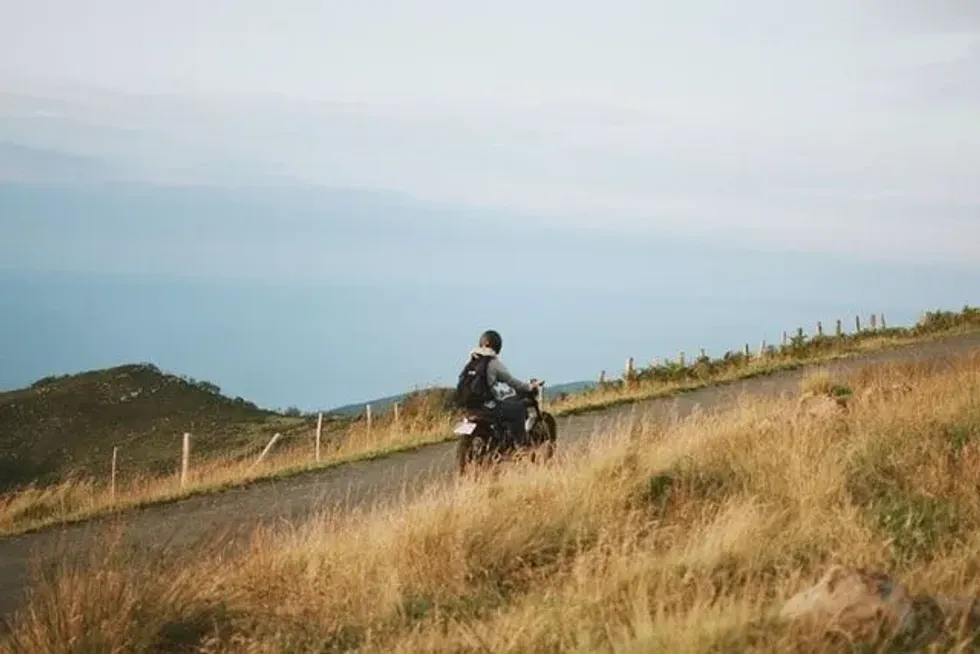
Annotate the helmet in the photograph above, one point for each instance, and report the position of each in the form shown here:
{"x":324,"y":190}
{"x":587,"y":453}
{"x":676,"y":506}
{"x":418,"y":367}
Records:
{"x":491,"y":339}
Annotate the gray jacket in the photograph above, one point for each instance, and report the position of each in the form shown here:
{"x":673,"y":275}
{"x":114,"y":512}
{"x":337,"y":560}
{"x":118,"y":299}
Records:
{"x":497,"y":372}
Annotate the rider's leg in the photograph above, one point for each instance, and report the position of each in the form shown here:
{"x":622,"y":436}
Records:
{"x":515,"y":414}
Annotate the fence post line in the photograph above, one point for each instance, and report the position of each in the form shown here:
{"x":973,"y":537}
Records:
{"x":319,"y":429}
{"x":275,"y":437}
{"x":185,"y":459}
{"x":112,"y":481}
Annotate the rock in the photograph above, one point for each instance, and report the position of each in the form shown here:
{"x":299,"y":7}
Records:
{"x":853,"y":600}
{"x":860,"y":602}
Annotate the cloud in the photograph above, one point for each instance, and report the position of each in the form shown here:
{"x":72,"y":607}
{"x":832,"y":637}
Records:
{"x":780,"y":125}
{"x":19,"y":163}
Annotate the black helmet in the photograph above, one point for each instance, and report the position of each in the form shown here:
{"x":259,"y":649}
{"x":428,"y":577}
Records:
{"x":491,"y":339}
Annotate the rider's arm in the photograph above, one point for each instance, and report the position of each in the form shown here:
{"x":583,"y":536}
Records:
{"x":503,"y":375}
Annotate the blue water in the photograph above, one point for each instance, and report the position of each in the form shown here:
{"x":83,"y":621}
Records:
{"x":297,"y":297}
{"x":323,"y":346}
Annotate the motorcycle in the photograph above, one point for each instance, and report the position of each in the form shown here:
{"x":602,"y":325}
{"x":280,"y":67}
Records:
{"x":483,"y":439}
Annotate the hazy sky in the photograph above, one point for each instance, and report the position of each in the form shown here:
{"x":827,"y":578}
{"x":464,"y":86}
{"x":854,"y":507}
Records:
{"x":690,"y":137}
{"x":840,"y":126}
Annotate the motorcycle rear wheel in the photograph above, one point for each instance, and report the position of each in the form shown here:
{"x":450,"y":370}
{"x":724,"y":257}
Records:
{"x":470,"y":450}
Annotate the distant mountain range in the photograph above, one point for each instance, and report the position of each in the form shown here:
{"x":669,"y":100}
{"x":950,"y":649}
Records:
{"x":382,"y":404}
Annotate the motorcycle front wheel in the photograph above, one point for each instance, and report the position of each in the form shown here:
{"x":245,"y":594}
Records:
{"x":543,"y":436}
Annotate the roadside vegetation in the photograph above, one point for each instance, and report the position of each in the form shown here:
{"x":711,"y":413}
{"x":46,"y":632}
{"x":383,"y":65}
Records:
{"x":676,"y":536}
{"x":63,"y":430}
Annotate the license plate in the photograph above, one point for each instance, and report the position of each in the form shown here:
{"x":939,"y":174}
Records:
{"x":465,"y":428}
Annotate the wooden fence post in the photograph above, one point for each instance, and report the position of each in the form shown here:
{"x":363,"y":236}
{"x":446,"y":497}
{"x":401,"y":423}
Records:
{"x":397,"y":414}
{"x":799,"y":333}
{"x":857,"y":324}
{"x":275,"y":437}
{"x":367,"y":410}
{"x":883,"y":325}
{"x":319,"y":429}
{"x":185,"y":459}
{"x":746,"y":352}
{"x":874,"y":322}
{"x":628,"y":373}
{"x":112,"y":482}
{"x":785,"y":338}
{"x":602,"y":377}
{"x":840,"y":328}
{"x":819,"y":328}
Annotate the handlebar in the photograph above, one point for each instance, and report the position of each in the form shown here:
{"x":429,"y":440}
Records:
{"x":533,"y":392}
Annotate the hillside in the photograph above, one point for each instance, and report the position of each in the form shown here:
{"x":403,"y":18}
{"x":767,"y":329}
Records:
{"x":66,"y":424}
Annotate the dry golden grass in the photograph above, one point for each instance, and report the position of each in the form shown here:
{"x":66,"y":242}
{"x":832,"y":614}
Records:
{"x":78,"y":498}
{"x":622,"y":393}
{"x":674,"y":537}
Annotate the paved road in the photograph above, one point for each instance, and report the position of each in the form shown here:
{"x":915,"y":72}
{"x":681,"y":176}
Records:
{"x":235,"y":513}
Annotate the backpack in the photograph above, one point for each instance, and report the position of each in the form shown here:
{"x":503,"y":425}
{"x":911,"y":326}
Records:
{"x":473,"y":388}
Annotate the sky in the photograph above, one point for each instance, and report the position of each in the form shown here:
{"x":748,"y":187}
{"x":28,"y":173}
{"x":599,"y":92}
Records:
{"x":838,"y":129}
{"x":766,"y":119}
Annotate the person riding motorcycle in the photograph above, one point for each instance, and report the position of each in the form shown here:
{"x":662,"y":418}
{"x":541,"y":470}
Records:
{"x":508,"y":410}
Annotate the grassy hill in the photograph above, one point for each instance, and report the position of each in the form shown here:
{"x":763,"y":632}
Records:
{"x":69,"y":424}
{"x":66,"y":426}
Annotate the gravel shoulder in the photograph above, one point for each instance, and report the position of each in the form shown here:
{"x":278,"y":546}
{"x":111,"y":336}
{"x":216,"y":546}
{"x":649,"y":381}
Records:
{"x":234,"y":513}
